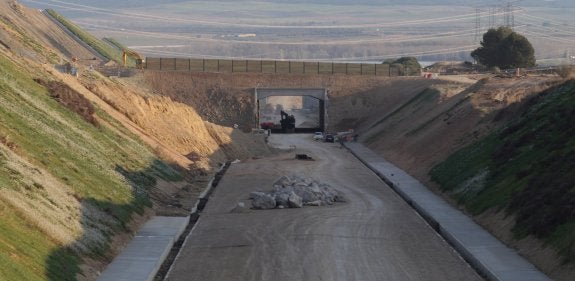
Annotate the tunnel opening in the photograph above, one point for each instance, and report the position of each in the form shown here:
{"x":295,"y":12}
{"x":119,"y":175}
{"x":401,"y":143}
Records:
{"x":283,"y":110}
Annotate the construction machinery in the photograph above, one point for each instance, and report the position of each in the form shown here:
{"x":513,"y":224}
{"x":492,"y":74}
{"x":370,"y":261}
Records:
{"x":287,"y":122}
{"x":137,"y":57}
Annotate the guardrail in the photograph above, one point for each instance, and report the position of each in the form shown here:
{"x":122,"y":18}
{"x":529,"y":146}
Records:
{"x":277,"y":67}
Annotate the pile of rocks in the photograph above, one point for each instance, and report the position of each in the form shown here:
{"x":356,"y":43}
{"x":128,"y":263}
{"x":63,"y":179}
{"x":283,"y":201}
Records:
{"x":296,"y":192}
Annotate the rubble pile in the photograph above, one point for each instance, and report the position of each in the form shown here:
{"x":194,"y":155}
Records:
{"x":296,"y":192}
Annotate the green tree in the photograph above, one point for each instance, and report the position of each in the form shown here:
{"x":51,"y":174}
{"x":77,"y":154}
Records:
{"x":504,"y":48}
{"x":405,"y":65}
{"x":406,"y":61}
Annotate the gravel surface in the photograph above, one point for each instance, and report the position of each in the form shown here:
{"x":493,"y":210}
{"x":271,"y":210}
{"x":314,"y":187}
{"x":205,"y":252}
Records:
{"x":374,"y":236}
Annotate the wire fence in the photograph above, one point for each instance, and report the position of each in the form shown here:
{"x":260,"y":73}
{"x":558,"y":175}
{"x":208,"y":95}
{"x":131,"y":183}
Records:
{"x":115,"y":71}
{"x":278,"y":67}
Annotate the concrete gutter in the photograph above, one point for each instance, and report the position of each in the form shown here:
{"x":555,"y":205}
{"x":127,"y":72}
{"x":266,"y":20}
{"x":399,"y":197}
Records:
{"x":144,"y":255}
{"x":150,"y":248}
{"x":489,"y":256}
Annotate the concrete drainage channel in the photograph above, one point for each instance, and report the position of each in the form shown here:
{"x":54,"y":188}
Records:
{"x":155,"y":246}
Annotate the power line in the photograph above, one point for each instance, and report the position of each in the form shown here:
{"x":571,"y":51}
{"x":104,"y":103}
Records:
{"x":511,"y":16}
{"x":403,"y":39}
{"x":546,"y":24}
{"x":149,"y":17}
{"x":442,"y":51}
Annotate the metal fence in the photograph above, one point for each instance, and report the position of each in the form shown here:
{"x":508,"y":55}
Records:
{"x":277,"y":67}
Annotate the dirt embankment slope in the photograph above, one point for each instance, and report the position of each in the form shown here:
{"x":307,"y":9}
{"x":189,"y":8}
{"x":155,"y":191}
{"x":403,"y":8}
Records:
{"x":423,"y":130}
{"x":425,"y":122}
{"x":29,"y":33}
{"x":176,"y":125}
{"x":176,"y":130}
{"x":227,"y":98}
{"x":75,"y":178}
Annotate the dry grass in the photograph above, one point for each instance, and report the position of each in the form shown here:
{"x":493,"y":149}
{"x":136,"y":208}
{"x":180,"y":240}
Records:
{"x":567,"y":72}
{"x":61,"y":190}
{"x":46,"y":203}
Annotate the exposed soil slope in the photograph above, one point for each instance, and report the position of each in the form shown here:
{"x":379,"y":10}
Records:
{"x":27,"y":32}
{"x":427,"y":125}
{"x":434,"y":123}
{"x":227,"y":98}
{"x":82,"y":159}
{"x":69,"y":189}
{"x":177,"y":125}
{"x":66,"y":186}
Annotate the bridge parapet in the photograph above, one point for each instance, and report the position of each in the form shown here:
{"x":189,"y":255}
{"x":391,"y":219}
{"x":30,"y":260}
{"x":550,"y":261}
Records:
{"x":277,"y":67}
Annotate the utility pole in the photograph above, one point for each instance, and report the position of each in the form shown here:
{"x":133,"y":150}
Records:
{"x":477,"y":23}
{"x":508,"y":14}
{"x":512,"y":17}
{"x":492,"y":11}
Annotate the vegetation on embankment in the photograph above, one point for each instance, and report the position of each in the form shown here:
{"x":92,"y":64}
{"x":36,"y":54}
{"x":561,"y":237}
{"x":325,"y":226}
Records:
{"x":67,"y":186}
{"x":115,"y":43}
{"x":106,"y":50}
{"x":526,"y":169}
{"x":130,"y":60}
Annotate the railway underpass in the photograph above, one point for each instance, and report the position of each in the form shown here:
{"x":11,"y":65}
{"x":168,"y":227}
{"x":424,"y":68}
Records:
{"x":306,"y":106}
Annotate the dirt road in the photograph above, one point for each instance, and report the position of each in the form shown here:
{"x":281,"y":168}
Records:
{"x":374,"y":236}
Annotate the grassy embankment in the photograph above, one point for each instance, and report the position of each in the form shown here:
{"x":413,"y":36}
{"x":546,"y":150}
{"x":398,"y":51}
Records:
{"x":67,"y":183}
{"x":527,"y":169}
{"x":26,"y":40}
{"x":107,"y":50}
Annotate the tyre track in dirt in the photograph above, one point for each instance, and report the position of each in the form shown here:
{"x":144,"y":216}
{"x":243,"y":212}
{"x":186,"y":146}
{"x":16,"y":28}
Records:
{"x":374,"y":236}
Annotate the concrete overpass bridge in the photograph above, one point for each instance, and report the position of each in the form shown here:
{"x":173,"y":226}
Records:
{"x":312,"y":116}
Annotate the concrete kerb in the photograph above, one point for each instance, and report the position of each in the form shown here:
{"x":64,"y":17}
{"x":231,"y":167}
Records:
{"x":151,"y":248}
{"x":194,"y":216}
{"x":490,"y":257}
{"x":203,"y":196}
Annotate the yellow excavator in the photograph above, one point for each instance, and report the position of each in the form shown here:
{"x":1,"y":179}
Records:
{"x":137,"y":57}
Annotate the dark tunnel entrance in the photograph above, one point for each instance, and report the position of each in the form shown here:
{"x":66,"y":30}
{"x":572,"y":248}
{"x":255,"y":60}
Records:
{"x":291,"y":110}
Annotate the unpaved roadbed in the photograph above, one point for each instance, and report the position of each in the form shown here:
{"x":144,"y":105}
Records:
{"x":490,"y":256}
{"x":374,"y":236}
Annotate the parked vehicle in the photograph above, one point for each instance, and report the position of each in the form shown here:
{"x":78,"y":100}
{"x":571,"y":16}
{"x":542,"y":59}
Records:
{"x":318,"y":136}
{"x":329,"y":138}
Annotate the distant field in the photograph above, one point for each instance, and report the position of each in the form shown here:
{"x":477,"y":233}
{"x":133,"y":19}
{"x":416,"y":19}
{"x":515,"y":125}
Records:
{"x":302,"y":14}
{"x":320,"y":31}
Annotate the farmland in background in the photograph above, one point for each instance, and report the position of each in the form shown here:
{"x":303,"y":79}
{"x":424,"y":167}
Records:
{"x":367,"y":30}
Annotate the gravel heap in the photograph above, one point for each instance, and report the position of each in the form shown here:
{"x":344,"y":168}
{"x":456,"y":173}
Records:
{"x":296,"y":192}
